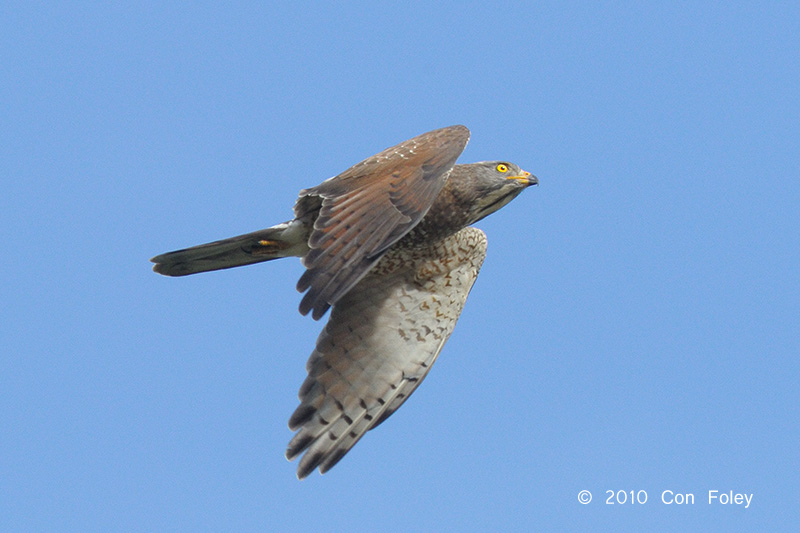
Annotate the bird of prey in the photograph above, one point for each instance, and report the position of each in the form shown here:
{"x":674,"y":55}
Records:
{"x":387,"y":244}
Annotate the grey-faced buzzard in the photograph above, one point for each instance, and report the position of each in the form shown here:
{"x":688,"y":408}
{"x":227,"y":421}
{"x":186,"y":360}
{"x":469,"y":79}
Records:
{"x":387,"y":245}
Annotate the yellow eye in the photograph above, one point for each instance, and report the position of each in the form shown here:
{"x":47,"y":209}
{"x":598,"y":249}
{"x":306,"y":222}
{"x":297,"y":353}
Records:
{"x":502,"y":168}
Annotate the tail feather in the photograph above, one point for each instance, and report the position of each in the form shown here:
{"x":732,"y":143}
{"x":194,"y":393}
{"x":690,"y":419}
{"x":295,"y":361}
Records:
{"x":283,"y":240}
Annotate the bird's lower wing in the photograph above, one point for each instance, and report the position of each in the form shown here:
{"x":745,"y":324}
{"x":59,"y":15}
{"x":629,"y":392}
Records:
{"x":379,"y":344}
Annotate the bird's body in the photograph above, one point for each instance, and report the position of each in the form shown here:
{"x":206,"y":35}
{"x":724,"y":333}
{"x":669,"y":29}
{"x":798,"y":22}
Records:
{"x":386,"y":244}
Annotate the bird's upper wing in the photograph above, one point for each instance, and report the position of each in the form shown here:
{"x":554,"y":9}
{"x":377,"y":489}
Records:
{"x":379,"y":344}
{"x":369,"y":207}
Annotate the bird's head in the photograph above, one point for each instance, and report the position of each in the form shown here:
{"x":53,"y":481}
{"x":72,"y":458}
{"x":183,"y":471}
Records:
{"x":490,"y":185}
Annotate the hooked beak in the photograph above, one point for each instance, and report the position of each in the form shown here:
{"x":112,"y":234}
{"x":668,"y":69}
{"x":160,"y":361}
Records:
{"x":526,"y":178}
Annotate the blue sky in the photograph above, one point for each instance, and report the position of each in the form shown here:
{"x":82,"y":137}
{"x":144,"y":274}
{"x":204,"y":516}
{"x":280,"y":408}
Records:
{"x":634,"y":327}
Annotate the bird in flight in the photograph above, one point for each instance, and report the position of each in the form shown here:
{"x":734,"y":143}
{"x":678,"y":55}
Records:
{"x":387,"y":246}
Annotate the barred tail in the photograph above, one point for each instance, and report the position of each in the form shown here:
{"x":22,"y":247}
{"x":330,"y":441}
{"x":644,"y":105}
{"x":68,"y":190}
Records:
{"x":284,"y":240}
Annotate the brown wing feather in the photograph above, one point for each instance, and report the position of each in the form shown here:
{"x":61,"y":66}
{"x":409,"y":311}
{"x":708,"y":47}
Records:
{"x":369,"y":207}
